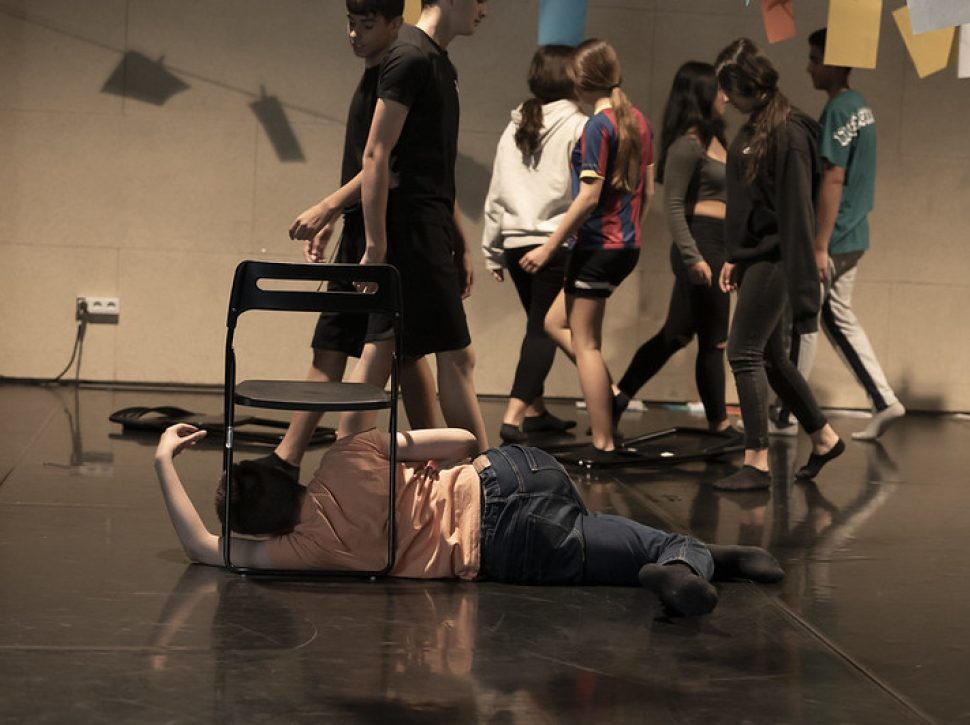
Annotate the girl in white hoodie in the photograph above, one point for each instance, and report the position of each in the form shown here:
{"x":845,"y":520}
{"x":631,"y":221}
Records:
{"x":528,"y":196}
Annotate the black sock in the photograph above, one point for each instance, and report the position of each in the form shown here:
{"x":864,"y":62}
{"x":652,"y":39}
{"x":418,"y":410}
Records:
{"x":745,"y":562}
{"x":817,"y":460}
{"x":679,"y":589}
{"x":747,"y":478}
{"x":620,"y":402}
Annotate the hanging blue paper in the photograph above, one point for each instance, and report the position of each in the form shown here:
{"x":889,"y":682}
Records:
{"x":562,"y":22}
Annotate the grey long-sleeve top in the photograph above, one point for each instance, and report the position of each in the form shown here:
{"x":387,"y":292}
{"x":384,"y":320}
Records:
{"x":690,"y":176}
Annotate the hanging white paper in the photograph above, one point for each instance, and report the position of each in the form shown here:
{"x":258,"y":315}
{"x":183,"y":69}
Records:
{"x":927,"y":15}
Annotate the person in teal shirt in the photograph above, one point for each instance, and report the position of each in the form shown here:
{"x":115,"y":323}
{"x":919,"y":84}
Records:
{"x":848,"y":149}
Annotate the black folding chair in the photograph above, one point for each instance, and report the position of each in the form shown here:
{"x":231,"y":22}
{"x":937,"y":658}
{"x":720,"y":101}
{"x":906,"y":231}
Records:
{"x":248,"y":294}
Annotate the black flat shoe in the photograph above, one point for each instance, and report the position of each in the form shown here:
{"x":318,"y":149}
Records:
{"x":512,"y":434}
{"x":547,"y":422}
{"x":590,"y":456}
{"x":817,"y":460}
{"x":747,"y":478}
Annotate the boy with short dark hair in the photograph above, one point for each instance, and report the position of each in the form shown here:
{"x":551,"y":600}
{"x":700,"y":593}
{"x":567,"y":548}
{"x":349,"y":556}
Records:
{"x":372,"y":27}
{"x":416,"y":228}
{"x":512,"y":514}
{"x":846,"y":196}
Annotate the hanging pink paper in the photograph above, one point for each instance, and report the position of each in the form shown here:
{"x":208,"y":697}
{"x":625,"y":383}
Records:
{"x":779,"y":17}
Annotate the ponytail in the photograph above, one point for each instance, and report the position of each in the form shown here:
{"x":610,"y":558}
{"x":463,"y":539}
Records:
{"x":550,"y":80}
{"x":598,"y":69}
{"x":744,"y":70}
{"x":629,"y":149}
{"x":765,"y":124}
{"x":527,"y":133}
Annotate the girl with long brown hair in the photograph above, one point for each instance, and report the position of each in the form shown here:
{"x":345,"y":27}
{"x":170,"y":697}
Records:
{"x":529,"y":193}
{"x":773,"y":172}
{"x":690,"y":165}
{"x":612,"y":167}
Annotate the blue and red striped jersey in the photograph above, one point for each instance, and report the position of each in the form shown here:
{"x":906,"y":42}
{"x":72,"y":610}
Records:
{"x":615,"y":222}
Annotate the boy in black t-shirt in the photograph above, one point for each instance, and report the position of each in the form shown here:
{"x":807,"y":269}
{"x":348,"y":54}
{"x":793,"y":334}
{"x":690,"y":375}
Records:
{"x":372,"y":27}
{"x":416,"y":227}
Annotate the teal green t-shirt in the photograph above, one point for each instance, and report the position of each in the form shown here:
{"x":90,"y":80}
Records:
{"x":849,"y":140}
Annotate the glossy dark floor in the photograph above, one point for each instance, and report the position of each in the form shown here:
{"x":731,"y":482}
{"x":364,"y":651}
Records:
{"x":104,"y":620}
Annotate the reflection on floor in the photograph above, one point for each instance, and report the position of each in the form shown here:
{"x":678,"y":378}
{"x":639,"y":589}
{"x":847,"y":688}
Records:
{"x":103,"y":620}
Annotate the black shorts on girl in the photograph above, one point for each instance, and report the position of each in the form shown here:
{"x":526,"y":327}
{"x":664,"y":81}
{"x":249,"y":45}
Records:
{"x":595,"y":273}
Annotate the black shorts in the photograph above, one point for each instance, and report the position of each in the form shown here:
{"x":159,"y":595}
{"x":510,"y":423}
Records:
{"x":341,"y":331}
{"x":595,"y":273}
{"x":427,"y":251}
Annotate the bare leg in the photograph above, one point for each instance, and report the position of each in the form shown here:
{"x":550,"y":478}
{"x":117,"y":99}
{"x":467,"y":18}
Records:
{"x":456,"y":391}
{"x":756,"y":458}
{"x":374,"y":367}
{"x":419,"y":393}
{"x":586,"y":326}
{"x":557,"y":326}
{"x":518,"y":409}
{"x":327,"y":366}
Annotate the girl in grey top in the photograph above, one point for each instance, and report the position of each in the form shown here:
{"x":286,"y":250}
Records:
{"x":691,"y":168}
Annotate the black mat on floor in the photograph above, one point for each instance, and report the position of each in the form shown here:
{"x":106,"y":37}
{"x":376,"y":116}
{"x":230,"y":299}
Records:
{"x":666,"y":447}
{"x":248,"y":429}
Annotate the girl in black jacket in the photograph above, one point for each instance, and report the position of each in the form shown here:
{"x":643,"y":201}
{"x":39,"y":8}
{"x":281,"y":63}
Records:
{"x":772,"y":178}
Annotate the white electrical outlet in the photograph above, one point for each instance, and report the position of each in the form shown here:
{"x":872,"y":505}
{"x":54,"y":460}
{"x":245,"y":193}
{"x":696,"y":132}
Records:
{"x":98,"y":309}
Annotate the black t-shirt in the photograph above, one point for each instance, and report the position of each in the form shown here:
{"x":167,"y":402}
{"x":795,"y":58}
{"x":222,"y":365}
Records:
{"x":359,"y":119}
{"x":417,"y":73}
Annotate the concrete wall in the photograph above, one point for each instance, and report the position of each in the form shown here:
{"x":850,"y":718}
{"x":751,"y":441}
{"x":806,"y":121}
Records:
{"x":103,"y":195}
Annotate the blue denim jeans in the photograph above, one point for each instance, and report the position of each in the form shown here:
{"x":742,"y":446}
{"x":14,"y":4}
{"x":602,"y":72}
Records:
{"x":537,"y":530}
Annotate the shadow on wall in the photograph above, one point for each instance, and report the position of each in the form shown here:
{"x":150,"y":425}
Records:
{"x":138,"y":76}
{"x":472,"y":179}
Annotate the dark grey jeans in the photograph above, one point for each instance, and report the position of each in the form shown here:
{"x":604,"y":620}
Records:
{"x":756,"y":352}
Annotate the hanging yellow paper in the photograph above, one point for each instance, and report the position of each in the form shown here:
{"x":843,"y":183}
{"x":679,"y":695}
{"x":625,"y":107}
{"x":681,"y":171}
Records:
{"x":930,"y":51}
{"x":412,"y":11}
{"x":852,"y":39}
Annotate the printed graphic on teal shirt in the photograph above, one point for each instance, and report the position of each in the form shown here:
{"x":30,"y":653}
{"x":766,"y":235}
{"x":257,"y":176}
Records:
{"x":849,"y":140}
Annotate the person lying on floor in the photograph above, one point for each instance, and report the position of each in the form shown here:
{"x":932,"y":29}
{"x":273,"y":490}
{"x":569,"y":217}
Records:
{"x":511,"y":515}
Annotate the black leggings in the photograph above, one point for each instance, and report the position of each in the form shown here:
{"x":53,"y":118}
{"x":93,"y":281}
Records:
{"x":694,"y":309}
{"x":756,"y":351}
{"x":537,"y":292}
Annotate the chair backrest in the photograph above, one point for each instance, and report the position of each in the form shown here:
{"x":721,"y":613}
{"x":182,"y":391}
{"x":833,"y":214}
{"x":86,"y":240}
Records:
{"x":248,"y":295}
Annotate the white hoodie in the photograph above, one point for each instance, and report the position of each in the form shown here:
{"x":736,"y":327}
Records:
{"x":528,"y":197}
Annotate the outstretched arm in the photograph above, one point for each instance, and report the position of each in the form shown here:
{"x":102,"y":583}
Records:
{"x":198,"y":543}
{"x":578,"y":212}
{"x":442,"y":445}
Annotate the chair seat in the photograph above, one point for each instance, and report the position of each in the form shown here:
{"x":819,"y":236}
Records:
{"x":303,"y":395}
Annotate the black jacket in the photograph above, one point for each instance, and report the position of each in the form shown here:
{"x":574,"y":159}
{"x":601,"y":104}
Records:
{"x":774,"y":218}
